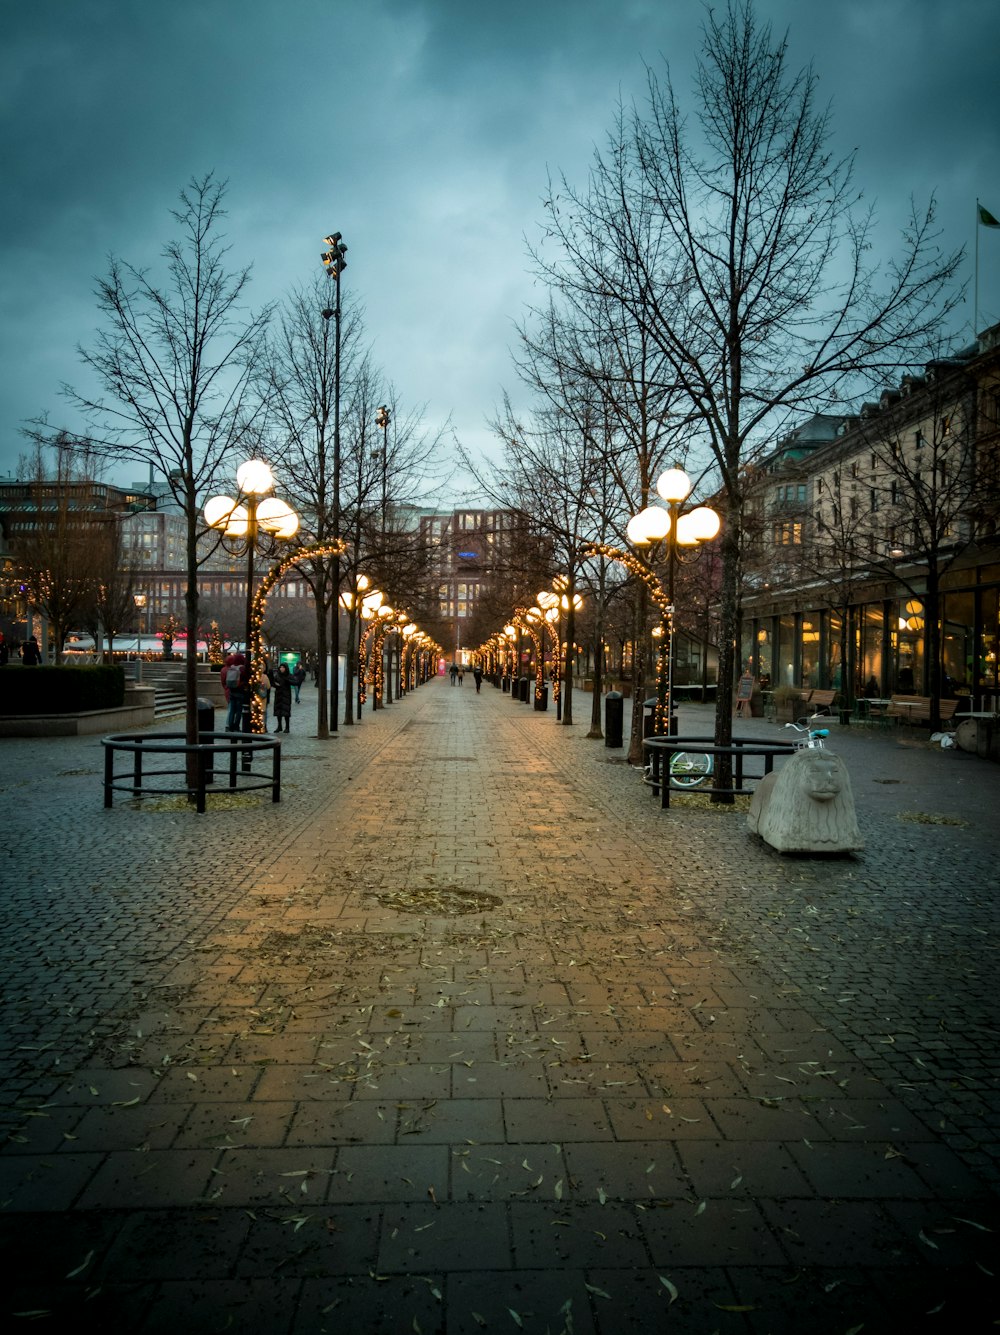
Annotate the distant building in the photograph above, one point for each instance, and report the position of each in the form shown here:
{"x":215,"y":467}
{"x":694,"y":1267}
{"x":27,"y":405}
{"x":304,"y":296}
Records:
{"x":26,"y":506}
{"x":872,"y":552}
{"x":468,"y":551}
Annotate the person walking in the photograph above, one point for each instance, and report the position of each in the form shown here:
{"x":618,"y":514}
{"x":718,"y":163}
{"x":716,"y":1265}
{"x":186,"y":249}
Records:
{"x":461,"y":673}
{"x":31,"y":655}
{"x":477,"y":676}
{"x":298,"y":677}
{"x":453,"y":674}
{"x":282,"y":704}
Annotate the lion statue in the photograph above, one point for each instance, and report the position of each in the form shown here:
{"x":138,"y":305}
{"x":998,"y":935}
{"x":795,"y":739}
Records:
{"x":807,"y":806}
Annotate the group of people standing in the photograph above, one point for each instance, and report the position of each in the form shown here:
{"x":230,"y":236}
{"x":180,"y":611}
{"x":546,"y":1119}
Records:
{"x":30,"y":653}
{"x":278,"y":685}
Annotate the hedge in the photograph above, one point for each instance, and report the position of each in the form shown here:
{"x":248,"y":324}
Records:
{"x":61,"y":690}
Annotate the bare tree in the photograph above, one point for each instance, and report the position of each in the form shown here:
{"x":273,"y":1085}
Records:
{"x":114,"y":605}
{"x":738,"y":245}
{"x":59,"y":555}
{"x":176,"y":363}
{"x":550,"y":478}
{"x":302,"y":373}
{"x":591,"y":349}
{"x":355,"y":494}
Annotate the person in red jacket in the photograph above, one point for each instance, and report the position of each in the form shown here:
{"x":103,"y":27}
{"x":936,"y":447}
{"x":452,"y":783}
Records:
{"x":235,"y":683}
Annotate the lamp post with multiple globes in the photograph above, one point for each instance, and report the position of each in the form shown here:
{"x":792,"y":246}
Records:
{"x":677,"y":529}
{"x":253,"y":524}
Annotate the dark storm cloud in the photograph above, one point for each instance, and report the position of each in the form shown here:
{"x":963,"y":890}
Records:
{"x":424,"y":132}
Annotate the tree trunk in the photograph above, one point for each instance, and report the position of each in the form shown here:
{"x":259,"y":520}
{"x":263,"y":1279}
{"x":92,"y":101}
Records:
{"x":567,"y":701}
{"x":932,"y":639}
{"x":323,"y":658}
{"x":729,"y":625}
{"x":595,"y":733}
{"x":638,"y":654}
{"x":350,"y":660}
{"x":191,"y":661}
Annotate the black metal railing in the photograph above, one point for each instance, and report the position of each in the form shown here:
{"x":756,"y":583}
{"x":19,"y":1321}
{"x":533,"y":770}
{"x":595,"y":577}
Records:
{"x":148,"y":777}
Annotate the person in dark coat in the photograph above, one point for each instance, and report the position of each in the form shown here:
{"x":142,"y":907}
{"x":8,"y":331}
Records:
{"x":298,"y":677}
{"x":281,"y":704}
{"x":31,"y":655}
{"x":235,"y":683}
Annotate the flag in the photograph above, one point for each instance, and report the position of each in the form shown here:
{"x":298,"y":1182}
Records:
{"x":986,"y":219}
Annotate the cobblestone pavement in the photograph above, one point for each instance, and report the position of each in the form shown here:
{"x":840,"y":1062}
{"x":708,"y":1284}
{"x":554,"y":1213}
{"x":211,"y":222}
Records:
{"x":467,"y":1035}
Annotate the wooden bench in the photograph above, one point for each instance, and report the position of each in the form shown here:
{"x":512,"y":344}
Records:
{"x":917,"y":709}
{"x":820,"y":702}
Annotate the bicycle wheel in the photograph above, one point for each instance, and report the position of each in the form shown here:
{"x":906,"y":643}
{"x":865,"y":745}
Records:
{"x":689,"y":769}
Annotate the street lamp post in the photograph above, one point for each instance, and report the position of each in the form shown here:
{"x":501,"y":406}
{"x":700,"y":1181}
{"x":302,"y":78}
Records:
{"x":335,"y":264}
{"x":252,"y":526}
{"x":677,"y":528}
{"x":351,"y":603}
{"x":554,"y":602}
{"x":513,"y":635}
{"x":382,"y":628}
{"x":382,"y":420}
{"x":141,"y":601}
{"x":370,"y":604}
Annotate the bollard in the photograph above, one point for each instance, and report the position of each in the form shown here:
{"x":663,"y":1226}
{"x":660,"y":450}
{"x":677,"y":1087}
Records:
{"x":614,"y":718}
{"x":522,"y":689}
{"x":206,"y":724}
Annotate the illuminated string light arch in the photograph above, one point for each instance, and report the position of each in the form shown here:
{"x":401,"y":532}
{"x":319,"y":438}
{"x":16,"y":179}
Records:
{"x":660,"y":597}
{"x":336,"y":547}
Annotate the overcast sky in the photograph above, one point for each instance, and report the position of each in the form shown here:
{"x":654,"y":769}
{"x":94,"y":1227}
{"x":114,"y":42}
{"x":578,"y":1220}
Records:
{"x":423,"y":130}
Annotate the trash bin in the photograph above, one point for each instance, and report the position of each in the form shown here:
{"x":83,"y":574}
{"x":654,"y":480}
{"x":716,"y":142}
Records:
{"x":206,"y":724}
{"x":614,"y":718}
{"x":541,"y":697}
{"x":649,"y":717}
{"x":522,"y":689}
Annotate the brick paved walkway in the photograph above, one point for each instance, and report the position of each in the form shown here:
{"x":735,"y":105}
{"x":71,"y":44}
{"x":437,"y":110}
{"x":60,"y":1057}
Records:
{"x":467,"y":1035}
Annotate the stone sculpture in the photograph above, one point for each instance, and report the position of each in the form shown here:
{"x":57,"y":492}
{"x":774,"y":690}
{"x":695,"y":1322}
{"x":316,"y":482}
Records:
{"x":807,"y":806}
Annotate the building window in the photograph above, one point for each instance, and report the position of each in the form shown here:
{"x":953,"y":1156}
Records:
{"x":788,"y":533}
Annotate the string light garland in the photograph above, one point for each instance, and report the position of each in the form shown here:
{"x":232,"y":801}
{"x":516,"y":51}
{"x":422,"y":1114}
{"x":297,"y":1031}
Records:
{"x":336,"y":547}
{"x":662,"y":601}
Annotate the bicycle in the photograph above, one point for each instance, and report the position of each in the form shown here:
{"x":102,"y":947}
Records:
{"x":688,"y":769}
{"x":814,"y":738}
